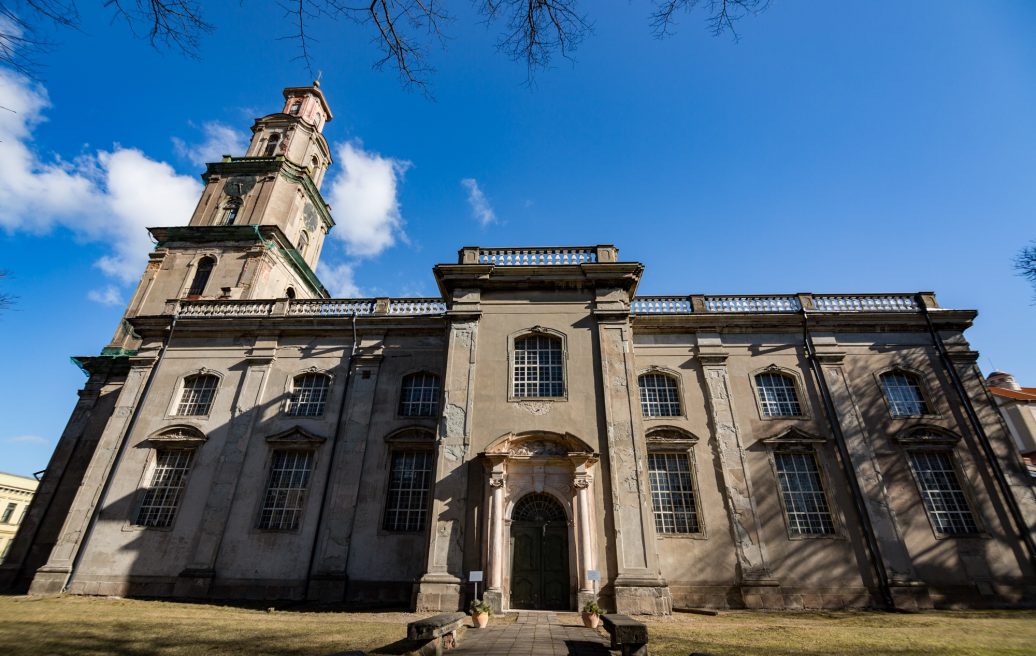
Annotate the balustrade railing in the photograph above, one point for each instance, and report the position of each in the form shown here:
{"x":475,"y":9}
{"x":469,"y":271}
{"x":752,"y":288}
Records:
{"x":331,"y":307}
{"x":411,"y":306}
{"x":661,"y":305}
{"x":743,"y":304}
{"x":536,"y":256}
{"x":225,"y":309}
{"x":865,"y":303}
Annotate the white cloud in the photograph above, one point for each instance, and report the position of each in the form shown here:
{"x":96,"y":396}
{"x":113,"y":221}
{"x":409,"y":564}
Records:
{"x":108,"y":296}
{"x":111,"y":196}
{"x":364,"y":200}
{"x":220,"y":140}
{"x":339,"y":279}
{"x":27,"y":439}
{"x":480,"y":207}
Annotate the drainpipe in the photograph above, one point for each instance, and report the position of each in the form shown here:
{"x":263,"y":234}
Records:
{"x":330,"y":466}
{"x":983,"y":438}
{"x":873,"y":549}
{"x":118,"y":457}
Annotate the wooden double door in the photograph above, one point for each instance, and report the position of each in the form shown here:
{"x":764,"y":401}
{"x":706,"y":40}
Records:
{"x":539,"y":565}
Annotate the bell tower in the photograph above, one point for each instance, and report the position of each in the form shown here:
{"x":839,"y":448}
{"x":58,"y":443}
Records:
{"x":259,"y":225}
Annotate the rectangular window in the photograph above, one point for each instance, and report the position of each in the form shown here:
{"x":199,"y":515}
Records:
{"x":197,"y":395}
{"x":804,"y":501}
{"x":409,"y":482}
{"x":942,"y":494}
{"x":308,"y":395}
{"x":904,"y":395}
{"x":672,"y":493}
{"x":286,"y":490}
{"x":162,"y":495}
{"x":8,"y":513}
{"x":419,"y":396}
{"x":538,"y":368}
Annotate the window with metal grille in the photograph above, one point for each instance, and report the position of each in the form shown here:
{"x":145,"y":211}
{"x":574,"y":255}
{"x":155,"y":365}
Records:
{"x":659,"y":396}
{"x":409,"y":482}
{"x":777,"y":395}
{"x":197,"y":395}
{"x":286,"y":490}
{"x":419,"y":395}
{"x":201,"y":276}
{"x":8,"y":513}
{"x":538,"y":369}
{"x":672,"y":493}
{"x":162,"y":495}
{"x":942,"y":494}
{"x":805,"y":503}
{"x":903,"y":393}
{"x":308,"y":395}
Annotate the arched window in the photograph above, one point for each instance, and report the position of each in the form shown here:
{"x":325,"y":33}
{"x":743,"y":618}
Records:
{"x":201,"y":276}
{"x":196,"y":397}
{"x":303,"y":243}
{"x":777,"y":395}
{"x":539,"y":508}
{"x":419,"y":395}
{"x":272,"y":143}
{"x":659,"y":395}
{"x":538,"y":367}
{"x":903,"y":394}
{"x":308,"y":395}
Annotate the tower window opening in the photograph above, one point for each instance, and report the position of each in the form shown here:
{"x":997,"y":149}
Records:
{"x":303,"y":243}
{"x":230,"y":213}
{"x":201,"y":276}
{"x":272,"y":143}
{"x":295,"y":107}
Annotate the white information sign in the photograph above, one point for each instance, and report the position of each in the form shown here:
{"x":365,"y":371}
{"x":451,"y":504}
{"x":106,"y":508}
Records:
{"x":475,"y":577}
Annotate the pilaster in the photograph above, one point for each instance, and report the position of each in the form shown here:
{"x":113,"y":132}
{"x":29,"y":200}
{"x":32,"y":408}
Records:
{"x":197,"y":578}
{"x":440,"y":586}
{"x":754,"y":575}
{"x":639,"y":588}
{"x":54,"y":576}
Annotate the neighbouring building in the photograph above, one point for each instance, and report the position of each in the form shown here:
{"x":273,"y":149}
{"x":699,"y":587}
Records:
{"x":15,"y":494}
{"x":1018,"y":407}
{"x":245,"y":436}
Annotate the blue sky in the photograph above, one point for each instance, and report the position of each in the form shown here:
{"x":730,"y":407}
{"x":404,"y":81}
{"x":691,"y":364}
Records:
{"x":837,"y":147}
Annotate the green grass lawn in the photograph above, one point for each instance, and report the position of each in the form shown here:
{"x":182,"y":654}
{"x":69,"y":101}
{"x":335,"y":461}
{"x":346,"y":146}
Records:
{"x":87,"y":625}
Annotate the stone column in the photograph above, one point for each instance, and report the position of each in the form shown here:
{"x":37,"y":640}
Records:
{"x":52,"y":577}
{"x":494,"y":594}
{"x":758,"y":587}
{"x":582,"y":483}
{"x":440,"y":586}
{"x":639,"y":588}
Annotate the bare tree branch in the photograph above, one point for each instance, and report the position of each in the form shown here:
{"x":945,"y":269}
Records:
{"x":22,"y":39}
{"x":6,"y":299}
{"x":1025,"y":265}
{"x":722,"y":14}
{"x":176,"y":24}
{"x":536,"y":29}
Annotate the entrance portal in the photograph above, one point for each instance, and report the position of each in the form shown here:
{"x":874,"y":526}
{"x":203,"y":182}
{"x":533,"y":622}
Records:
{"x":539,"y":554}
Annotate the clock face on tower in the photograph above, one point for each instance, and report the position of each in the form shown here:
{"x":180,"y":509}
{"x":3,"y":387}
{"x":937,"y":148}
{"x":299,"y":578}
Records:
{"x":239,"y":185}
{"x":309,"y":217}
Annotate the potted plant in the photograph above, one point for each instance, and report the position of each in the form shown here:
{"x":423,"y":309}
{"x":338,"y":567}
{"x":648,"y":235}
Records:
{"x":591,"y":614}
{"x":480,"y":612}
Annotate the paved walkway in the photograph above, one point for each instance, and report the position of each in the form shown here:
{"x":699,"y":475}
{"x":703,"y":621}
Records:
{"x":536,"y":633}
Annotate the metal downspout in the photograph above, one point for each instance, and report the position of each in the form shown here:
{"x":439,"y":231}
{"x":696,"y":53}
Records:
{"x":330,"y":466}
{"x":983,"y":438}
{"x":874,"y":550}
{"x":118,"y":458}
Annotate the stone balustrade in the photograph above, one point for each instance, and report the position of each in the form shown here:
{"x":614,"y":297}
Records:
{"x":320,"y":307}
{"x":417,"y":306}
{"x":782,"y":303}
{"x":535,"y":256}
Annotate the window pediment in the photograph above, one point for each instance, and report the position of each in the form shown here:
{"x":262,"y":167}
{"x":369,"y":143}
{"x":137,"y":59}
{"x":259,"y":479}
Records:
{"x":531,"y":445}
{"x":662,"y":435}
{"x":179,"y":435}
{"x":920,"y":436}
{"x":411,"y":435}
{"x":296,"y":436}
{"x":794,"y":437}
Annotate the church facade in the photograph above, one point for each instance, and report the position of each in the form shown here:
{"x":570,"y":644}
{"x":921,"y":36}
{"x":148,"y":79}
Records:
{"x":245,"y":436}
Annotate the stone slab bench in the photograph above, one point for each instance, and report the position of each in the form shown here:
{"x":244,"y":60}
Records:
{"x":433,"y":635}
{"x":627,"y":634}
